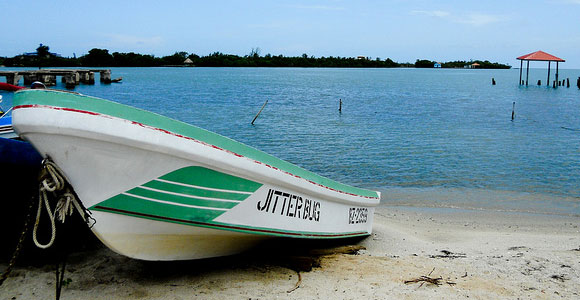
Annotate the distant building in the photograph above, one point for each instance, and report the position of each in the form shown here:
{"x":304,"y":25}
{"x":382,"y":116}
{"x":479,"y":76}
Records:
{"x":361,"y":57}
{"x":188,"y":61}
{"x":472,"y":66}
{"x":437,"y":65}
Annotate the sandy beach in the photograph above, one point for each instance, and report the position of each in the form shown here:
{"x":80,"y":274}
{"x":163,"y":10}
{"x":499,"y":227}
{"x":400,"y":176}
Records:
{"x":471,"y":254}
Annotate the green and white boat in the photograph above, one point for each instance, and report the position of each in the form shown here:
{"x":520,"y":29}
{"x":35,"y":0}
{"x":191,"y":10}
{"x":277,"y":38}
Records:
{"x":160,"y":189}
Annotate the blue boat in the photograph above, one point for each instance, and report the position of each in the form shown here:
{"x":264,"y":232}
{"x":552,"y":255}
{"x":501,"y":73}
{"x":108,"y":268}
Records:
{"x":6,"y":130}
{"x":13,"y":151}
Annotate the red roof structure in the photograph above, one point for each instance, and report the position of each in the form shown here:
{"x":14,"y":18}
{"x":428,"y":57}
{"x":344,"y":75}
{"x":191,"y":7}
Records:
{"x":540,"y":56}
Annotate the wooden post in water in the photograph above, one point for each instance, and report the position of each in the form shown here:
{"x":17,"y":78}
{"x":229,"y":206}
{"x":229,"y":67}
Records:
{"x":539,"y":82}
{"x":259,"y":112}
{"x":578,"y":82}
{"x":554,"y":84}
{"x":568,"y":82}
{"x":340,"y":105}
{"x":492,"y":81}
{"x":513,"y":110}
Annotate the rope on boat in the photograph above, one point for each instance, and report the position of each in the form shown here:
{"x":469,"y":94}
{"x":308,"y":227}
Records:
{"x":52,"y":183}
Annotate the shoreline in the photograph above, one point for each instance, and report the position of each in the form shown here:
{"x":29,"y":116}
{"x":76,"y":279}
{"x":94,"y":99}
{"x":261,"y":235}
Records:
{"x":485,"y":200}
{"x":477,"y":254}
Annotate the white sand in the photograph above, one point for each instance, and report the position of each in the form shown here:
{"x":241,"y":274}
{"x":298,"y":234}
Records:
{"x":499,"y":255}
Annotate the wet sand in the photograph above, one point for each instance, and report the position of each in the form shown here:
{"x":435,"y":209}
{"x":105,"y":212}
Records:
{"x":477,"y":254}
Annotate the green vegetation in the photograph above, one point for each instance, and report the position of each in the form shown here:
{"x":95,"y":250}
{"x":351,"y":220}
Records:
{"x":424,"y":63}
{"x":102,"y":58}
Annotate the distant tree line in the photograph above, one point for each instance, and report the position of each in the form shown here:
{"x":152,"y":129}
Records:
{"x":102,"y":58}
{"x":424,"y":63}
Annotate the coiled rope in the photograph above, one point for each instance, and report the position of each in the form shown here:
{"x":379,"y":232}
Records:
{"x":53,"y":183}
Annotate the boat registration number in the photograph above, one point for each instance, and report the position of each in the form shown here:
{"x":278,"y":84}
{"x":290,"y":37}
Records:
{"x":358,"y":215}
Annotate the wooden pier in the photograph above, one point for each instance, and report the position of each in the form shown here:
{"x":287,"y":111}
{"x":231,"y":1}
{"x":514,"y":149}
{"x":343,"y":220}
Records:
{"x":71,"y":77}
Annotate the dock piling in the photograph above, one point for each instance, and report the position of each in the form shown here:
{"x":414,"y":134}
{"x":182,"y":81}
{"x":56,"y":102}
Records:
{"x":539,"y":82}
{"x":513,"y":110}
{"x":70,"y":82}
{"x":340,"y":105}
{"x":13,"y":78}
{"x":106,"y":76}
{"x":492,"y":81}
{"x":48,"y":76}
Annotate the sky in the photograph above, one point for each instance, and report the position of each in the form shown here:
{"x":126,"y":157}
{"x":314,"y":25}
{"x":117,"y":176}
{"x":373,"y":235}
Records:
{"x":403,"y":30}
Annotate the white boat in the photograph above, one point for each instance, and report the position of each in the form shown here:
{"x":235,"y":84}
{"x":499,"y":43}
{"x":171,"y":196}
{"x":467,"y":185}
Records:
{"x":160,"y":189}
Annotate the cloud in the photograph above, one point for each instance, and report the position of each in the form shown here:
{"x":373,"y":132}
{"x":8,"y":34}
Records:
{"x":318,"y":7}
{"x":479,"y":19}
{"x":131,"y":40}
{"x":432,"y":13}
{"x":475,"y":19}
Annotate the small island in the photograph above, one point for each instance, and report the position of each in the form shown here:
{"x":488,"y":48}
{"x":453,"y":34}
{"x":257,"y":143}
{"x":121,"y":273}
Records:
{"x":102,"y":58}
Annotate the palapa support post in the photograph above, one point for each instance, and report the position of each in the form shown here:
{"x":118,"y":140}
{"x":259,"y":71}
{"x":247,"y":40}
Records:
{"x":557,"y":72}
{"x":554,"y":84}
{"x":527,"y":72}
{"x":548,"y":81}
{"x":521,"y":66}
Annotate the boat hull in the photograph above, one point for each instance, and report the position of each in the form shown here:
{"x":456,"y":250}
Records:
{"x":160,"y":194}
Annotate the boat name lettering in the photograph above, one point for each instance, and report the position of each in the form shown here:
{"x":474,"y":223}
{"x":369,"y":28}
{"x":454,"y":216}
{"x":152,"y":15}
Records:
{"x":290,"y":205}
{"x":357,"y":215}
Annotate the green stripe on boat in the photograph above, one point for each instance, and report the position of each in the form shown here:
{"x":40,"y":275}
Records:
{"x":170,"y":187}
{"x":139,"y":206}
{"x":101,"y":106}
{"x":170,"y":200}
{"x":200,"y":176}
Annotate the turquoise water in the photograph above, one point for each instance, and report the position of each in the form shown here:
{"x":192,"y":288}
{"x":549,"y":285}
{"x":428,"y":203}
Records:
{"x":424,"y":137}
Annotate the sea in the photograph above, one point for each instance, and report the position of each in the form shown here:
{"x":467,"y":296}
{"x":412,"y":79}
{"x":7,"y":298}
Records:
{"x":436,"y":138}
